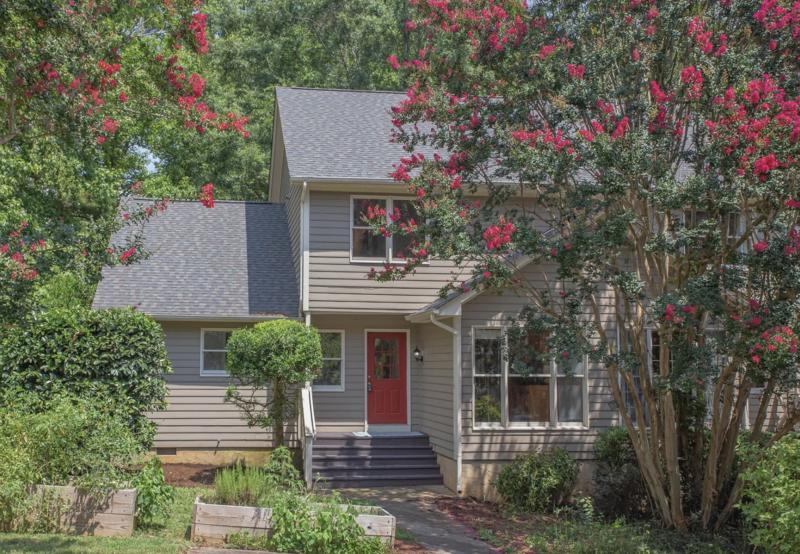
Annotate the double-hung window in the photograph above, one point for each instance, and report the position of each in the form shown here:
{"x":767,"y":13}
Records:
{"x":213,"y":351}
{"x":331,"y":376}
{"x":543,"y":394}
{"x":365,"y":245}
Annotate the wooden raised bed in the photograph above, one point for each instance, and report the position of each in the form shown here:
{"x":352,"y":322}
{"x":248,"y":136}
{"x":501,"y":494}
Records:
{"x":214,"y":522}
{"x":108,"y":514}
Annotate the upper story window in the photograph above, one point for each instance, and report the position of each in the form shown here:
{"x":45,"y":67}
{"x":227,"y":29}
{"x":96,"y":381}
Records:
{"x":331,"y":376}
{"x":213,"y":351}
{"x":365,"y":245}
{"x":529,"y":392}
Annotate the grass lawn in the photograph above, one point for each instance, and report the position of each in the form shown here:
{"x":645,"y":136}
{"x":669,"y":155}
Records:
{"x":173,"y":537}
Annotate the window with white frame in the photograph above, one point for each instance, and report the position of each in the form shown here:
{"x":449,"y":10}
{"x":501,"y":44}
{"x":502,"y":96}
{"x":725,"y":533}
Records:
{"x":365,"y":245}
{"x":213,"y":351}
{"x":545,"y":394}
{"x":331,"y":375}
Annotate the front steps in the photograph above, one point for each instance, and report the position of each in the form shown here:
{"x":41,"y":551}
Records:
{"x":345,"y":460}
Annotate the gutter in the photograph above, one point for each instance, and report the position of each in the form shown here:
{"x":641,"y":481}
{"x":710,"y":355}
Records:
{"x":456,"y":332}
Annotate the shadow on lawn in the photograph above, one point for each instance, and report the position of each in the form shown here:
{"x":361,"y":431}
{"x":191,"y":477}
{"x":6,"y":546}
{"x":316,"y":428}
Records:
{"x":36,"y":543}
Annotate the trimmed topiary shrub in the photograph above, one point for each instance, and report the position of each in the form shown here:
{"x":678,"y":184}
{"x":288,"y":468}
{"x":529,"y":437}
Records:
{"x":117,"y":356}
{"x":619,"y":490}
{"x":538,"y":482}
{"x":271,"y":356}
{"x":771,"y":502}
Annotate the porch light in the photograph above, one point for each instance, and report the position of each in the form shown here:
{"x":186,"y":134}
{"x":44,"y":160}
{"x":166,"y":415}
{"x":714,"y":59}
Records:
{"x":418,"y":355}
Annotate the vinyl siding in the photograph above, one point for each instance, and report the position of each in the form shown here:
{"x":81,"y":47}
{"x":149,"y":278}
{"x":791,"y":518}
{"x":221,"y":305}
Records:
{"x":338,"y":285}
{"x":486,"y":445}
{"x":196,"y":415}
{"x":432,"y":387}
{"x":339,"y":411}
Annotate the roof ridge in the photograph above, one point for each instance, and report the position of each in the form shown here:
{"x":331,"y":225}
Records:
{"x":332,"y":89}
{"x":216,"y":201}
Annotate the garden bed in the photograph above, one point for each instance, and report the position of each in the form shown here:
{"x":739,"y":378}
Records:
{"x":78,"y":512}
{"x":215,"y":522}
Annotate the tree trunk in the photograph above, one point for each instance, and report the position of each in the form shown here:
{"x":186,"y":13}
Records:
{"x":278,"y":411}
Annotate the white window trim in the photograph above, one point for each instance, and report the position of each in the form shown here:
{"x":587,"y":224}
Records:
{"x":211,"y":372}
{"x":340,"y":387}
{"x":553,"y":424}
{"x":389,"y":258}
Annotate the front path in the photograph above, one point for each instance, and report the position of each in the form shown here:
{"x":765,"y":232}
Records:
{"x":416,"y":512}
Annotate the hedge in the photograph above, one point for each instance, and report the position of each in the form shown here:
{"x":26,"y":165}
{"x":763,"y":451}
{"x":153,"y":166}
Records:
{"x":117,"y":355}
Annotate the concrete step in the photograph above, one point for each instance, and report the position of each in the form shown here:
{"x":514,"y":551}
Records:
{"x":427,"y":460}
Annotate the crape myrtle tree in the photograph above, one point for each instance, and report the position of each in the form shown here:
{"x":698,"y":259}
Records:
{"x":78,"y":79}
{"x":648,"y":152}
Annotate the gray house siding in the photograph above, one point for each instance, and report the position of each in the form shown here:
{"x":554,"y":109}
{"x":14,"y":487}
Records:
{"x":432,"y":387}
{"x":197,"y":416}
{"x":338,"y":285}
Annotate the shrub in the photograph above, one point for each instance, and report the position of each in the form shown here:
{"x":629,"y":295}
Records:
{"x":538,"y":482}
{"x":619,"y":489}
{"x":116,"y":354}
{"x":243,"y":486}
{"x":281,"y":469}
{"x":772,"y":495}
{"x":272,"y":355}
{"x":72,"y":442}
{"x":153,"y":495}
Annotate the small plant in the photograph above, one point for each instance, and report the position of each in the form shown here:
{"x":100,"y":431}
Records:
{"x":619,"y":489}
{"x":538,"y":482}
{"x":242,"y":486}
{"x":273,"y":356}
{"x":153,"y":495}
{"x":771,"y":503}
{"x":281,"y":470}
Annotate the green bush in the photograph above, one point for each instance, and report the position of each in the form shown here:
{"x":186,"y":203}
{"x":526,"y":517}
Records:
{"x":771,"y":502}
{"x":243,"y":486}
{"x":538,"y":482}
{"x":154,"y":496}
{"x":117,"y":355}
{"x":619,"y":490}
{"x":273,"y":356}
{"x":281,"y":469}
{"x":73,"y":442}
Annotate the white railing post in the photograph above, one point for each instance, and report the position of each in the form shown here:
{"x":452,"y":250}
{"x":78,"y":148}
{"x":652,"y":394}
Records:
{"x":308,"y":427}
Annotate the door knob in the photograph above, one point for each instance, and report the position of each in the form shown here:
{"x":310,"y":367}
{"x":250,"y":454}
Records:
{"x":369,"y":386}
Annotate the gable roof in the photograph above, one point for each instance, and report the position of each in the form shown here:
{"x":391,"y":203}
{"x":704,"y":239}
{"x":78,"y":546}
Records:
{"x":341,"y":135}
{"x":230,"y":262}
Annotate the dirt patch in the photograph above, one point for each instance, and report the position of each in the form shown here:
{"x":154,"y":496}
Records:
{"x":190,"y":475}
{"x":490,"y":523}
{"x":407,"y":547}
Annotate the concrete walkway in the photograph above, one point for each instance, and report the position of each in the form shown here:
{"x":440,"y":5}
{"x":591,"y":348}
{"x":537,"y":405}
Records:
{"x":416,"y":512}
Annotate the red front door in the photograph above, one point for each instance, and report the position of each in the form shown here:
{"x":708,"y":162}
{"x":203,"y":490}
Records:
{"x":386,"y":378}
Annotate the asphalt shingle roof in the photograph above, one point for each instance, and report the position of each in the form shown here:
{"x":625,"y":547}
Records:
{"x":338,"y":134}
{"x":231,"y":261}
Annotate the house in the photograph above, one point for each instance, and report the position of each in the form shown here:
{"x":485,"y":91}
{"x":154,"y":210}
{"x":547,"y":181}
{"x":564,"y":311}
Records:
{"x":415,"y":388}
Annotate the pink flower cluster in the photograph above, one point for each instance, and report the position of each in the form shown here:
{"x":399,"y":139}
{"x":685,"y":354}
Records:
{"x":18,"y":251}
{"x":557,"y":140}
{"x":671,"y":314}
{"x":197,"y":26}
{"x":703,"y":38}
{"x":693,"y":79}
{"x":499,"y":235}
{"x":774,"y":343}
{"x":576,"y":71}
{"x":207,"y":195}
{"x":774,"y":17}
{"x":754,"y":123}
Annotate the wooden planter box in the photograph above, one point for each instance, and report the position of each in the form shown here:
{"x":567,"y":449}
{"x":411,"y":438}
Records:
{"x":82,"y":513}
{"x":214,"y":522}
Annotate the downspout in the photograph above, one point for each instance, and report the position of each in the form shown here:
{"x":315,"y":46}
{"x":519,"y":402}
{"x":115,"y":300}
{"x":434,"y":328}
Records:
{"x":456,"y":332}
{"x":304,"y":241}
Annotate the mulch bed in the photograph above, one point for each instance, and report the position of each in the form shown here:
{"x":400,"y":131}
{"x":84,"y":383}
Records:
{"x":190,"y":475}
{"x":505,"y":531}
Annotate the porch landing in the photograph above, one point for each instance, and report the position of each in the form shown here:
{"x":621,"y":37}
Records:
{"x":366,"y":460}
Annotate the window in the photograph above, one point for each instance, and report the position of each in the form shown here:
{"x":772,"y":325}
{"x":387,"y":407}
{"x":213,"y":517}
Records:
{"x":213,"y":351}
{"x":365,"y":245}
{"x":531,"y":390}
{"x":653,"y":360}
{"x":331,"y":376}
